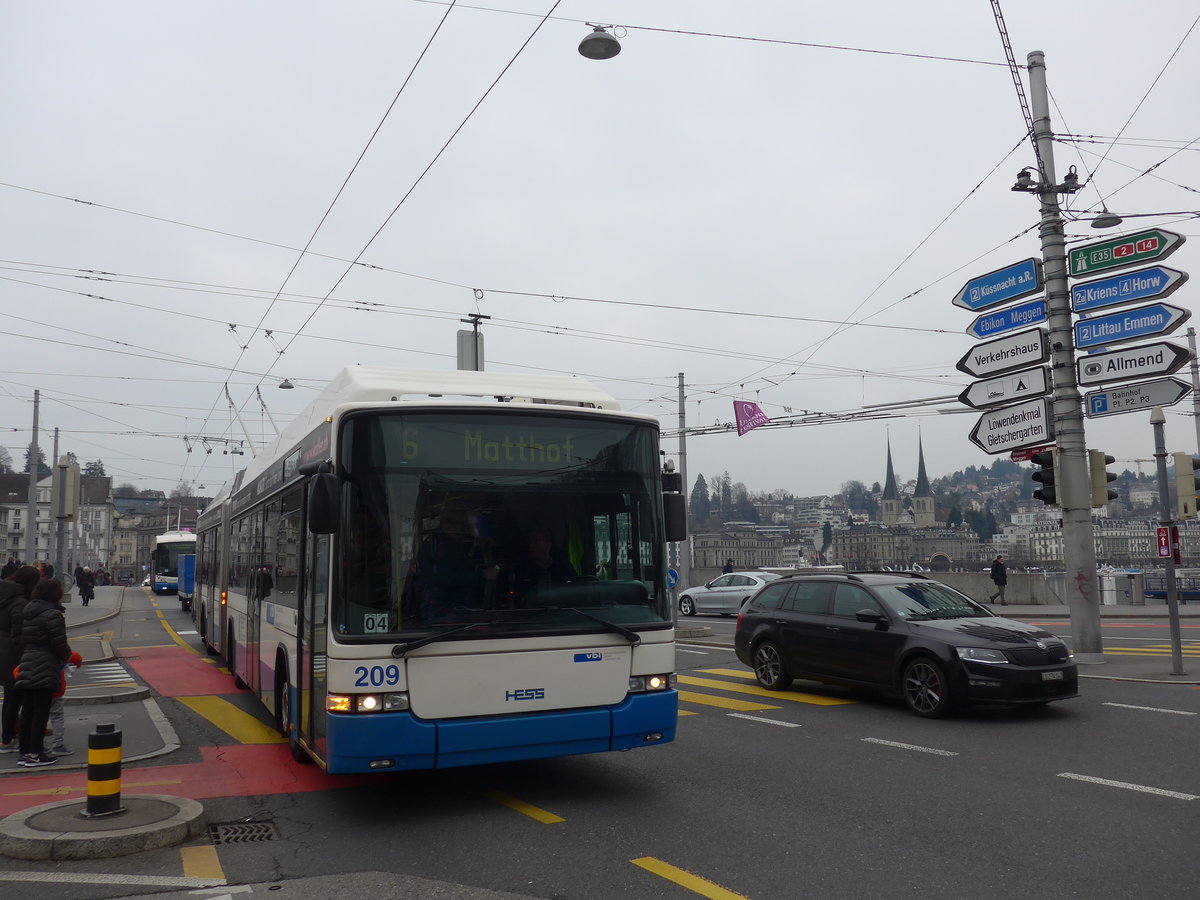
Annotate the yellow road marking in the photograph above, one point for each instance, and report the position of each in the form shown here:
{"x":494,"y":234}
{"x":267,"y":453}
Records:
{"x":202,"y":862}
{"x":687,"y":712}
{"x":239,"y":725}
{"x":793,"y":696}
{"x":723,"y":702}
{"x":63,"y":790}
{"x":693,"y":883}
{"x":546,"y":818}
{"x":732,"y":673}
{"x":174,"y":635}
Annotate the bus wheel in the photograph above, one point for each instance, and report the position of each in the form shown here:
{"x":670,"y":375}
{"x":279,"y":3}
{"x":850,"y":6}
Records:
{"x":231,"y":661}
{"x":283,"y":715}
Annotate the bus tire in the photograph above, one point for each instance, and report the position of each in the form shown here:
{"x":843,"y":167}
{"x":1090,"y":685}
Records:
{"x":231,"y":661}
{"x":283,"y":713}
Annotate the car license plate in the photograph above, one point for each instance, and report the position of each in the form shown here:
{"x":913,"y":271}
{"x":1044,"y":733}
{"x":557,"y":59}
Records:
{"x":1052,"y":676}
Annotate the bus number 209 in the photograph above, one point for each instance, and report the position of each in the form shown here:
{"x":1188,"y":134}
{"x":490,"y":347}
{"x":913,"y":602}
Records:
{"x":376,"y":676}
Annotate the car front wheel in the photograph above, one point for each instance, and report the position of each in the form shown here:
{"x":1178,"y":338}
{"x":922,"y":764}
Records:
{"x":687,"y":606}
{"x":926,"y":690}
{"x":769,"y":668}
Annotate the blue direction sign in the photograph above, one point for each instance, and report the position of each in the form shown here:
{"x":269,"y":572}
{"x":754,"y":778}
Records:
{"x":1129,"y":325}
{"x":1031,"y":312}
{"x":1132,"y":397}
{"x":1156,"y":281}
{"x":1010,"y":283}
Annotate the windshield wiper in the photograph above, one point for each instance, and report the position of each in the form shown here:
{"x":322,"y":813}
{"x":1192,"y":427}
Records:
{"x":632,"y":636}
{"x":398,"y":650}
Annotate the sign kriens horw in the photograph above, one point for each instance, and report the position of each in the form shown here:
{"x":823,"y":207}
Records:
{"x":1010,"y":283}
{"x":1006,"y":354}
{"x":1027,"y":424}
{"x":1128,"y":287}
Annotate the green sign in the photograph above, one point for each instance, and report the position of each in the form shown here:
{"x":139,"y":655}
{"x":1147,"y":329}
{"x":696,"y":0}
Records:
{"x":1130,"y":250}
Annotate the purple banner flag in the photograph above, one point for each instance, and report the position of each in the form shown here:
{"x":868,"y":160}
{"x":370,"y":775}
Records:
{"x":749,"y":416}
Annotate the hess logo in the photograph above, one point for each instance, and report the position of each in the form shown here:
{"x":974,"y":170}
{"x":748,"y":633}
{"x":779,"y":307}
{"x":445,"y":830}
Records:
{"x":526,"y":694}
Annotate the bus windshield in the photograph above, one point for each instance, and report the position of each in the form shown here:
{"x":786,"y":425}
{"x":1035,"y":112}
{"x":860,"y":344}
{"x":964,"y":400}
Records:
{"x":165,"y":558}
{"x":509,"y":523}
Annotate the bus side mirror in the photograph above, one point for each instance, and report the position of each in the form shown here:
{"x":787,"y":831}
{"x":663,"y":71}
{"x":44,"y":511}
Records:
{"x":323,"y":497}
{"x":675,"y":517}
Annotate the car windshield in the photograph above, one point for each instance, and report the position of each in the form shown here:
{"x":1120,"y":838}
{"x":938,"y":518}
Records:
{"x":928,"y":600}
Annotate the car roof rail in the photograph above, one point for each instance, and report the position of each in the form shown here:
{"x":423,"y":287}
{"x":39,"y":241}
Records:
{"x":851,"y":576}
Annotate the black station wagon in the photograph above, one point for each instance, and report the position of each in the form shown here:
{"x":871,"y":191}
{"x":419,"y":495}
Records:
{"x":899,"y":633}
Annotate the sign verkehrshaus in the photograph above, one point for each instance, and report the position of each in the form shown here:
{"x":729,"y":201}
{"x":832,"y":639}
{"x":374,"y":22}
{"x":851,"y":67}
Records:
{"x":1132,"y":397}
{"x":1156,"y":281}
{"x":1117,"y":253}
{"x":1032,"y":312}
{"x":1142,"y":361}
{"x":1010,"y":283}
{"x":1027,"y":424}
{"x":1006,"y":388}
{"x":1129,"y":325}
{"x":1006,"y":354}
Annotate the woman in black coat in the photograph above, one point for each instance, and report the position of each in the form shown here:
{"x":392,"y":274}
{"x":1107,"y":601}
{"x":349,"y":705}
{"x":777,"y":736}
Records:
{"x":14,"y":594}
{"x":86,"y":582}
{"x":44,"y":651}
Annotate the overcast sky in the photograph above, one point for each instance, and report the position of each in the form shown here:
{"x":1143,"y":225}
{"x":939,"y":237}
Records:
{"x":776,"y":198}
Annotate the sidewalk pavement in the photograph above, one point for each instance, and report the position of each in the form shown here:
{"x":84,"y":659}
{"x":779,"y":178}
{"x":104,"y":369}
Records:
{"x":103,"y":691}
{"x":1120,"y":662}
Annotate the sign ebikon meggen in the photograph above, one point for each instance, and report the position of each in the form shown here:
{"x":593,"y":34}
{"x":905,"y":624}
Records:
{"x":1128,"y":287}
{"x":1116,"y":253}
{"x":1031,"y":312}
{"x":1010,"y":283}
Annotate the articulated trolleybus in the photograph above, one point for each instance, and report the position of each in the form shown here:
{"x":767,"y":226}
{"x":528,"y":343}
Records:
{"x":164,"y":559}
{"x":435,"y":569}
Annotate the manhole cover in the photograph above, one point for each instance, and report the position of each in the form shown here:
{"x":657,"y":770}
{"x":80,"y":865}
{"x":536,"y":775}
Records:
{"x":243,"y":832}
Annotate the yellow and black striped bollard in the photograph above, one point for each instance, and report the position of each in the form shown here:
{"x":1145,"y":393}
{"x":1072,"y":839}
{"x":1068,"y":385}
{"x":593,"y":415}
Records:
{"x":104,"y":772}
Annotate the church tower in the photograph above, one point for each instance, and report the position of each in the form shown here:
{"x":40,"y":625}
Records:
{"x":924,"y":515}
{"x":889,"y":501}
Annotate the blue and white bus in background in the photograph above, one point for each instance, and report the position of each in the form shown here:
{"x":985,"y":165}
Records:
{"x":436,"y":569}
{"x":164,"y":559}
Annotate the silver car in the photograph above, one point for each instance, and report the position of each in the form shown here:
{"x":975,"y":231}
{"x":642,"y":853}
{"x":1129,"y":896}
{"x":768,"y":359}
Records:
{"x":725,"y":594}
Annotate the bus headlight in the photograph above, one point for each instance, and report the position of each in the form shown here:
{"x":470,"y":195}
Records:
{"x":640,"y":684}
{"x":366,"y":703}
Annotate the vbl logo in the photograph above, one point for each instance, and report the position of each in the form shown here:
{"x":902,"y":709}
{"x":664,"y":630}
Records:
{"x":526,"y":694}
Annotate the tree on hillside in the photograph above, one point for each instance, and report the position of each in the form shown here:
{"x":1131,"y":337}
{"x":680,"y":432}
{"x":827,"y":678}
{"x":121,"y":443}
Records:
{"x":72,"y":459}
{"x":43,"y":470}
{"x":699,"y":502}
{"x":826,"y":537}
{"x":5,"y":462}
{"x":955,"y":517}
{"x":94,"y":469}
{"x":743,"y":510}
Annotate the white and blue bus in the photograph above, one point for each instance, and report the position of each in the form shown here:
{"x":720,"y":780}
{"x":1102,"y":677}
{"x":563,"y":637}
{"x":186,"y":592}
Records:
{"x":435,"y":569}
{"x":164,"y":559}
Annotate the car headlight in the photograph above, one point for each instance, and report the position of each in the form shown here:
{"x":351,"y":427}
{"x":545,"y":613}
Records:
{"x":981,"y":654}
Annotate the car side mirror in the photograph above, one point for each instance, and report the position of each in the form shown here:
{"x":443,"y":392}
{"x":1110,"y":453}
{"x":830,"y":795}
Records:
{"x":870,"y":615}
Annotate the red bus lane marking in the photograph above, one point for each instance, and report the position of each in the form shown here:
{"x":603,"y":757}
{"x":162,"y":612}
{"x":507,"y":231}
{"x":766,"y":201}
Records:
{"x":174,"y":672}
{"x":233,"y":771}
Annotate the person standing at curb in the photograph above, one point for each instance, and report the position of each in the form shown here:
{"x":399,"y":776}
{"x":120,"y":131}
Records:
{"x":86,"y":582}
{"x":14,"y":594}
{"x":44,"y":651}
{"x":999,"y":576}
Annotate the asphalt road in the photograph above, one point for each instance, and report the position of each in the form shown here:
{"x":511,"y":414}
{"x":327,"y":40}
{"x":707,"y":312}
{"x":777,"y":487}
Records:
{"x":815,"y":792}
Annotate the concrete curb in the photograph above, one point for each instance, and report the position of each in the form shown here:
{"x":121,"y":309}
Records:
{"x":56,"y":830}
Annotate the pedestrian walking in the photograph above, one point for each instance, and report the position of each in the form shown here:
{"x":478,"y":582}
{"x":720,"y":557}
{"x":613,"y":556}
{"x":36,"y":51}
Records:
{"x":86,"y":582}
{"x":14,"y":594}
{"x":44,"y":650}
{"x":728,"y":567}
{"x":999,"y":576}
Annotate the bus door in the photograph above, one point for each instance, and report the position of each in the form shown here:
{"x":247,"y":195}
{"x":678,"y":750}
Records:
{"x":310,"y":663}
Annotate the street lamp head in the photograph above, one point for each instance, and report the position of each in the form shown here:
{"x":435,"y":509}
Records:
{"x":1107,"y":220}
{"x":286,"y":385}
{"x":599,"y":44}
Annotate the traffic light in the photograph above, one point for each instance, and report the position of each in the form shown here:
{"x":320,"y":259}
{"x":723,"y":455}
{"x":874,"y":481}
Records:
{"x":1047,"y":461}
{"x":1186,"y":485}
{"x":1101,"y":492}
